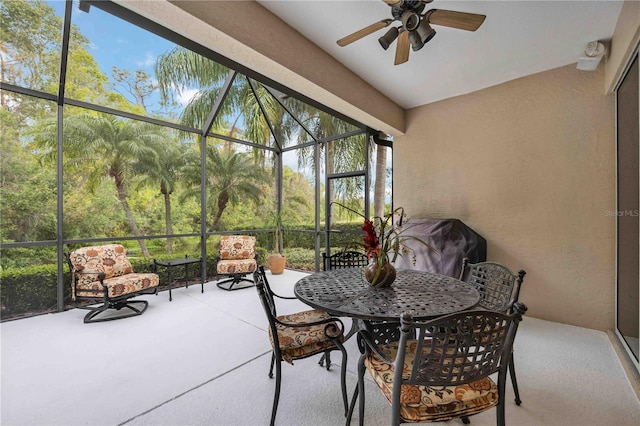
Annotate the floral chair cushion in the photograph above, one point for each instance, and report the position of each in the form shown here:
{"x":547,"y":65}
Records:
{"x":241,"y":266}
{"x":301,"y":342}
{"x":118,"y":286}
{"x":425,"y":403}
{"x":110,"y":259}
{"x":234,"y":247}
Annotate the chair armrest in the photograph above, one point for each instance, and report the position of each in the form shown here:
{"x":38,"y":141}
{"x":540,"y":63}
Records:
{"x":283,"y":297}
{"x":100,"y":275}
{"x":328,"y":321}
{"x":366,"y":344}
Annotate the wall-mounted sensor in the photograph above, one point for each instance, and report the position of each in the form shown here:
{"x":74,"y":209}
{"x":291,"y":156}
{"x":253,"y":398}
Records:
{"x":592,"y":56}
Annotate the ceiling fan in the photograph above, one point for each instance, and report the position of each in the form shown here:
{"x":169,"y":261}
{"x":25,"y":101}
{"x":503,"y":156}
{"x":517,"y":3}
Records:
{"x":415,"y":29}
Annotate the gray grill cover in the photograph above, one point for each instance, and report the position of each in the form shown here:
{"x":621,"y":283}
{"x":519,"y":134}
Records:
{"x":453,"y":241}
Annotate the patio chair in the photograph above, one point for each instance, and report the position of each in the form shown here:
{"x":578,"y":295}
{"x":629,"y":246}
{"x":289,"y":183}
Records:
{"x":340,"y":260}
{"x":299,"y":335}
{"x":236,"y":259}
{"x":103,"y":274}
{"x":444,"y":373}
{"x":344,"y":259}
{"x":499,"y":289}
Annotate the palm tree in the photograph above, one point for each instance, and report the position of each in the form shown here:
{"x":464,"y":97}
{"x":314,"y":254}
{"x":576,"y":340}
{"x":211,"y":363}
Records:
{"x":232,"y":177}
{"x":381,"y":174}
{"x":165,"y":170}
{"x":104,"y":146}
{"x":181,"y":68}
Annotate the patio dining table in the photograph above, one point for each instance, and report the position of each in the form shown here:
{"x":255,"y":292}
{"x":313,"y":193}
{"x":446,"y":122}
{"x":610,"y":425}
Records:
{"x":346,"y":293}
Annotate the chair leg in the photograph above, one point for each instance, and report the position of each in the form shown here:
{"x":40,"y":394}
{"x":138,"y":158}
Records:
{"x":343,"y":379}
{"x":236,"y":279}
{"x":352,"y":405}
{"x":500,"y":408}
{"x":514,"y":382}
{"x":465,"y":420}
{"x":129,"y":304}
{"x":276,"y":396}
{"x":327,"y":360}
{"x":273,"y":359}
{"x":361,"y":390}
{"x":321,"y":361}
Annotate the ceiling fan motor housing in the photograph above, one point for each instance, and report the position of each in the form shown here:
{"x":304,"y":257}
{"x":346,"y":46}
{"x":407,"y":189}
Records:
{"x":415,"y":6}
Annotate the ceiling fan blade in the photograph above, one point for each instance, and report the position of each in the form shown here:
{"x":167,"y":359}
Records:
{"x":453,"y":19}
{"x":402,"y":49}
{"x":364,"y":32}
{"x":392,"y":2}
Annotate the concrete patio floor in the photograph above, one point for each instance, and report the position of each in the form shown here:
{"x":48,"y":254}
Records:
{"x":203,"y":359}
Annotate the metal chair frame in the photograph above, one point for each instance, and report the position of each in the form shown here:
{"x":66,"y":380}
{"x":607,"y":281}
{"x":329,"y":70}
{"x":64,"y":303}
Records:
{"x":334,"y":330}
{"x":452,"y":350}
{"x":499,"y":289}
{"x":344,"y":259}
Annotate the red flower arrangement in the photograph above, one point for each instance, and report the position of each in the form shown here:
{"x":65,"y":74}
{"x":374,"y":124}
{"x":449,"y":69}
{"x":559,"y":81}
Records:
{"x":384,"y":239}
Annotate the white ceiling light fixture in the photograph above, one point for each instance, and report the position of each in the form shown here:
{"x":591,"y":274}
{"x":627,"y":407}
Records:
{"x":592,"y":56}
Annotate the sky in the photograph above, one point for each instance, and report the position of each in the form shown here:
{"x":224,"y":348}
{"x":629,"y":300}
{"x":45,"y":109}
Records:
{"x":116,"y":42}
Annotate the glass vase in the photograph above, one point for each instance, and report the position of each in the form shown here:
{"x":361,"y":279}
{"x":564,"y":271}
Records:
{"x":380,"y":272}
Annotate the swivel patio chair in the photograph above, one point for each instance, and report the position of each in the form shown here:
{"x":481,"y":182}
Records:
{"x":236,"y":259}
{"x":103,"y":274}
{"x":299,"y":335}
{"x":444,"y":373}
{"x":344,"y":259}
{"x":499,"y":289}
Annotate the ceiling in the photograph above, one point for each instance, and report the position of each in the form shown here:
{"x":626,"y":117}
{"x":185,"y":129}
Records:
{"x":518,"y":38}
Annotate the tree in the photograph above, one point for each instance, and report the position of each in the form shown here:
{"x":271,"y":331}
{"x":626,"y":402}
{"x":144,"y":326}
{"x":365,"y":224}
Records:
{"x":381,"y":174}
{"x":181,"y":68}
{"x":232,"y":177}
{"x":104,"y":146}
{"x":31,"y":40}
{"x":165,"y":170}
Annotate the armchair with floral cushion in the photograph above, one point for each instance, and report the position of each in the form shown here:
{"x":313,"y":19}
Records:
{"x":103,"y":274}
{"x":236,"y":259}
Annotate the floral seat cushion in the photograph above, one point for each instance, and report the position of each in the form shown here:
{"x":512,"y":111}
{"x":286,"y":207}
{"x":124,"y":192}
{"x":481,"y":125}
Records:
{"x":118,"y":286}
{"x":111,"y":260}
{"x":237,"y":255}
{"x":425,"y":403}
{"x":242,"y":266}
{"x":301,"y":342}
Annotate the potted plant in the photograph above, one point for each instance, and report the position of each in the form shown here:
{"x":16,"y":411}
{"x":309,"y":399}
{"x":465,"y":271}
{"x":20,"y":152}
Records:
{"x":276,"y":260}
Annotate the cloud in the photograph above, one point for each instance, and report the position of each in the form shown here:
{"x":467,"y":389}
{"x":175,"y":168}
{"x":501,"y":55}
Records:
{"x":185,"y":95}
{"x":148,"y":61}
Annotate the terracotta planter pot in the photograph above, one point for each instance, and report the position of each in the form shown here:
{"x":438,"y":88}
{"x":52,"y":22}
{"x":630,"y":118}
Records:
{"x":276,"y":264}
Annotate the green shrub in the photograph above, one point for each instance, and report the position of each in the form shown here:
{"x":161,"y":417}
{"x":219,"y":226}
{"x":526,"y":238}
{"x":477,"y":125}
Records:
{"x":30,"y":290}
{"x":300,"y":258}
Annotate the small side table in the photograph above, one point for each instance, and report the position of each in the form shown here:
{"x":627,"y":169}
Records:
{"x":181,"y":261}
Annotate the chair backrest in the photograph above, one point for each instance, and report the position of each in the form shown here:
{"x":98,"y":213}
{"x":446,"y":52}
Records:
{"x":344,"y":259}
{"x":268,"y":303}
{"x":266,"y":294}
{"x":455,"y":349}
{"x":499,"y":288}
{"x":237,"y":247}
{"x":109,"y":259}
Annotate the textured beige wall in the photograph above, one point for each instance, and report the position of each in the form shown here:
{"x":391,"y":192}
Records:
{"x":529,"y":164}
